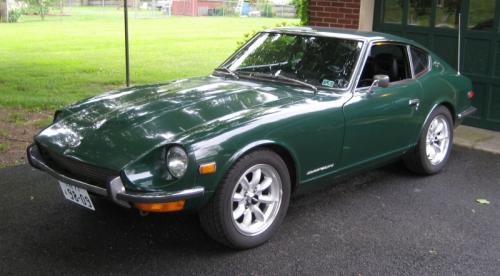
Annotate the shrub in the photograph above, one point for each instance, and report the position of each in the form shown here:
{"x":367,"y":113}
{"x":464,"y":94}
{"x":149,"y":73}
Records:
{"x":302,"y":7}
{"x":38,"y":7}
{"x":14,"y":16}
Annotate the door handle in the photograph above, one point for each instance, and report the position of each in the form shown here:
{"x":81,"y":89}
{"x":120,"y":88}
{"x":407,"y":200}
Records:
{"x":415,"y":103}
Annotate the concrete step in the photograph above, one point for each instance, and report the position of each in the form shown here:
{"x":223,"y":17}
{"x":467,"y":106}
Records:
{"x":476,"y":138}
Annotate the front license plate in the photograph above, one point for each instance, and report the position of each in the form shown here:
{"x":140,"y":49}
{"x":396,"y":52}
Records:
{"x":77,"y":195}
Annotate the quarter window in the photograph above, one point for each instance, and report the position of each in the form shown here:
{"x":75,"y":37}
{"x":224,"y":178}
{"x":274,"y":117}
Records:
{"x":420,"y":60}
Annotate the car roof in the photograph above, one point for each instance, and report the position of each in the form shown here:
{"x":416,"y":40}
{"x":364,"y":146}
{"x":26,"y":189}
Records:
{"x":342,"y":33}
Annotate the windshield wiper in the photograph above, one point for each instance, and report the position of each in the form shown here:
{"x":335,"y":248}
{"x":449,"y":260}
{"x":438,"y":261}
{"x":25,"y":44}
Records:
{"x":227,"y":71}
{"x":280,"y":77}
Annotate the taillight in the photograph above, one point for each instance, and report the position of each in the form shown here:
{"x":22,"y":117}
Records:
{"x":470,"y":94}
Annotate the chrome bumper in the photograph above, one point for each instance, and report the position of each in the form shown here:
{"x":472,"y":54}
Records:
{"x":469,"y":111}
{"x":115,"y":189}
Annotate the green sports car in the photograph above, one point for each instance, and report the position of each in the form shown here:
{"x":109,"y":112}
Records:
{"x":293,"y":107}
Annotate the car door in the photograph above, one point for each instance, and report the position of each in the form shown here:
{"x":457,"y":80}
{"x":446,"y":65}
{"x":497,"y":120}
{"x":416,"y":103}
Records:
{"x":382,"y":122}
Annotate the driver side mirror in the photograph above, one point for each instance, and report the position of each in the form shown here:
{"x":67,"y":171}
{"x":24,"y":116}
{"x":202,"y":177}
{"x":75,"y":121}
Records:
{"x":379,"y":81}
{"x":383,"y":80}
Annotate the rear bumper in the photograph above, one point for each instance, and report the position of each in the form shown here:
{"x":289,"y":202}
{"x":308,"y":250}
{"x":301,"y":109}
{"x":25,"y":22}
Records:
{"x":115,"y":189}
{"x":469,"y":111}
{"x":461,"y":116}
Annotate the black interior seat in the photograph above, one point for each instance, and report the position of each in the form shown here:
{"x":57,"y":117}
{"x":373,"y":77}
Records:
{"x":387,"y":64}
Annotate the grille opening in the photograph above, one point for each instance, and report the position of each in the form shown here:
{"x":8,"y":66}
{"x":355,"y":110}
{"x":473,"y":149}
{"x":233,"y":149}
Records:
{"x":76,"y":169}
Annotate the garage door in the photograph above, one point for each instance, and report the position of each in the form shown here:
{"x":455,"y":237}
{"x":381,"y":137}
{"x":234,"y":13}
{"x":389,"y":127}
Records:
{"x":434,"y":23}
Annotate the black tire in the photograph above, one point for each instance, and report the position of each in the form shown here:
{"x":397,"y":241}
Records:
{"x":416,"y":159}
{"x":216,"y":217}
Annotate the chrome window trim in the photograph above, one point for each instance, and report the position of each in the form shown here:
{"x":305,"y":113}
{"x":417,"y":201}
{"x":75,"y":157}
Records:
{"x":366,"y":53}
{"x":357,"y":69}
{"x":410,"y":58}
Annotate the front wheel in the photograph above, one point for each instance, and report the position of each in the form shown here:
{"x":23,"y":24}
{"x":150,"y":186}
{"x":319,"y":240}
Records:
{"x":433,"y":149}
{"x":250,"y":203}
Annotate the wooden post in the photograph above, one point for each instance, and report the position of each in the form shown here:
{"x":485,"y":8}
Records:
{"x":127,"y":67}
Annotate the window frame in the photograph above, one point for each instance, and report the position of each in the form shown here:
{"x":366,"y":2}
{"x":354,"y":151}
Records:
{"x":367,"y":54}
{"x":431,"y":23}
{"x":383,"y":13}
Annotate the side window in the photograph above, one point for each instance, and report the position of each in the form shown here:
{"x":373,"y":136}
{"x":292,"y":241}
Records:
{"x":386,"y":59}
{"x":420,"y":60}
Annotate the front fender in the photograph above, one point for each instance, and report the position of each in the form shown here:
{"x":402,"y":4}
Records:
{"x":225,"y":160}
{"x":312,"y":136}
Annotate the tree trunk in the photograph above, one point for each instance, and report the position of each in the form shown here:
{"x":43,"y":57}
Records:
{"x":61,"y":6}
{"x":42,"y":12}
{"x":4,"y":15}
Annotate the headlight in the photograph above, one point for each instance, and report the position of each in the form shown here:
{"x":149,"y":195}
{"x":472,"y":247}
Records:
{"x":177,"y":161}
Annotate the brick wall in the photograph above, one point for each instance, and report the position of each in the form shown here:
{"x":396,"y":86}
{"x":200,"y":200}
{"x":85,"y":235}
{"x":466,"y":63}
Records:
{"x":334,"y":13}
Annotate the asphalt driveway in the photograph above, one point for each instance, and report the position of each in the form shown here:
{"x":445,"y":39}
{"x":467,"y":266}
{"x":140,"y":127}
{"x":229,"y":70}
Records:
{"x":383,"y":222}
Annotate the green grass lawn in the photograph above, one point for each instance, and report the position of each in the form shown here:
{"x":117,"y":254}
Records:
{"x":46,"y":64}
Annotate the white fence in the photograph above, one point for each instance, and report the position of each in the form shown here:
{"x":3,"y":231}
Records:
{"x":264,"y":8}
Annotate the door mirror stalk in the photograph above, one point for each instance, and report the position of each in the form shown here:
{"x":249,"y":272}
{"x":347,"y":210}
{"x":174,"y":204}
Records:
{"x":378,"y":81}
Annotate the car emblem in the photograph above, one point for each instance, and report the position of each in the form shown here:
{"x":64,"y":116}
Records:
{"x":321,"y":169}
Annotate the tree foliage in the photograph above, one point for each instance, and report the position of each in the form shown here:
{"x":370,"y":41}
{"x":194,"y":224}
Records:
{"x":421,"y":7}
{"x":302,"y":7}
{"x":40,"y":7}
{"x":248,"y":36}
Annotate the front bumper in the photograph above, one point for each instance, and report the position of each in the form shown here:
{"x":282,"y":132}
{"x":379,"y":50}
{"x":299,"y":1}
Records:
{"x":115,"y":189}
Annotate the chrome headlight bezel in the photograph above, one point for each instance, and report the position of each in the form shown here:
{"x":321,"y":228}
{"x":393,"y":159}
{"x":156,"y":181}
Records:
{"x":177,"y":161}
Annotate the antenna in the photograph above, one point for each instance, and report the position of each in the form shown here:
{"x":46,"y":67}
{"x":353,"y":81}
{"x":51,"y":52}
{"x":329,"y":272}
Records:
{"x":459,"y":41}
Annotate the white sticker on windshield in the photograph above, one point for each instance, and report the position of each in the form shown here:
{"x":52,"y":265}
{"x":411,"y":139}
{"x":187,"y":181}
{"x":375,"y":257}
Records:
{"x":328,"y":83}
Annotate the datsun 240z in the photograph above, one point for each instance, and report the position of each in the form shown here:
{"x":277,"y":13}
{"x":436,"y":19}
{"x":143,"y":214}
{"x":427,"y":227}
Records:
{"x":291,"y":107}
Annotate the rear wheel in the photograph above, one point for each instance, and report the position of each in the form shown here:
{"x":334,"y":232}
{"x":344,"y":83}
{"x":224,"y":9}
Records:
{"x":250,"y":203}
{"x":433,"y":149}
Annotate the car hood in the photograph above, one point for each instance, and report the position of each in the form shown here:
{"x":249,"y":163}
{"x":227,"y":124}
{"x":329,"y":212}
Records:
{"x":115,"y":128}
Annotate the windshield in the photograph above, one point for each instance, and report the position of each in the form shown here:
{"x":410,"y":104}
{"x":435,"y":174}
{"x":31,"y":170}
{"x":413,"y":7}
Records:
{"x":321,"y":61}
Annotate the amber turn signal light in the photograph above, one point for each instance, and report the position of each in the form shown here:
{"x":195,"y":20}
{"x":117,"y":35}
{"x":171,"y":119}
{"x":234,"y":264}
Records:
{"x":161,"y":207}
{"x":208,"y":168}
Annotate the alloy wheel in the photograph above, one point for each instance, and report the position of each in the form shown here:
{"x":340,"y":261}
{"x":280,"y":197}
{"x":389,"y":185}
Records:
{"x":256,"y":199}
{"x":437,"y":140}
